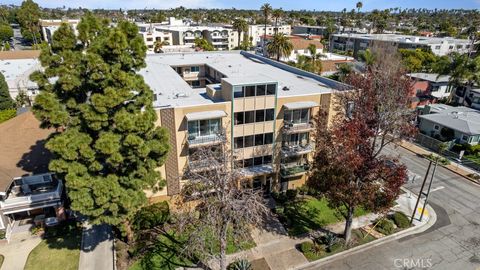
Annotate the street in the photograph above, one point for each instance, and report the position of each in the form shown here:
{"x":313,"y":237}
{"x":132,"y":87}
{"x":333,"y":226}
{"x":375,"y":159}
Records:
{"x":452,"y":243}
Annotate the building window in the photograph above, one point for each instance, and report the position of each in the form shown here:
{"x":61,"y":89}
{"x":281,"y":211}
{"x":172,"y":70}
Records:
{"x":256,"y":161}
{"x":450,"y":47}
{"x":195,"y":69}
{"x":238,"y":118}
{"x":248,"y":141}
{"x":249,"y":117}
{"x":437,"y":47}
{"x":297,"y":116}
{"x":196,"y":84}
{"x":149,"y":39}
{"x":436,"y":127}
{"x":260,"y":90}
{"x":253,"y":140}
{"x":238,"y":92}
{"x":269,"y":114}
{"x":248,"y":162}
{"x":260,"y":116}
{"x":238,"y":142}
{"x":203,"y":127}
{"x":271,"y":89}
{"x":464,"y":138}
{"x":250,"y":91}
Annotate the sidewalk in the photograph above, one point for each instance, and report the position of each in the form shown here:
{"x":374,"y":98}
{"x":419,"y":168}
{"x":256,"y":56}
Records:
{"x":16,"y":252}
{"x":278,"y":250}
{"x":97,"y":248}
{"x":453,"y":166}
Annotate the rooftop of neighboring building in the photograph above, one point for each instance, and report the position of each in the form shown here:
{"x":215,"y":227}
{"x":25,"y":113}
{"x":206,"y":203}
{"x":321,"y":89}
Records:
{"x":431,"y":77}
{"x":23,"y":148}
{"x":405,"y":38}
{"x":301,"y":42}
{"x":184,"y":28}
{"x":238,"y":67}
{"x":336,"y":57}
{"x":57,"y":22}
{"x":465,"y":122}
{"x":17,"y":66}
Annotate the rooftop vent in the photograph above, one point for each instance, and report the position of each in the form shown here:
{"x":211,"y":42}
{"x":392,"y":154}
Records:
{"x":285,"y":88}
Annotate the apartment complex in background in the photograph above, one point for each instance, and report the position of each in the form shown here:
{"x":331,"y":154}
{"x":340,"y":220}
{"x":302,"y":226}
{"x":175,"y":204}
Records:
{"x":310,"y":30}
{"x":257,"y":31}
{"x":16,"y":67}
{"x":151,"y":35}
{"x":467,"y":96}
{"x":260,"y":108}
{"x":300,"y":46}
{"x":50,"y":26}
{"x":356,"y":43}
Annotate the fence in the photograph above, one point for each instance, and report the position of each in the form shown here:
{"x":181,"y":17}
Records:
{"x":434,"y":144}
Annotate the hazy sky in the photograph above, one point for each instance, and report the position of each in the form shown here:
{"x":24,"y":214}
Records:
{"x":255,"y":4}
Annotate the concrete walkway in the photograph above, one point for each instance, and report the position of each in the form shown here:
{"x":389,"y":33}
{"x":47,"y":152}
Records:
{"x":97,"y":248}
{"x":16,"y":252}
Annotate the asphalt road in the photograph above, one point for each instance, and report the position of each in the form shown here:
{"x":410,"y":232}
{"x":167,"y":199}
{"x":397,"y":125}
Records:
{"x":452,"y":243}
{"x":97,"y":248}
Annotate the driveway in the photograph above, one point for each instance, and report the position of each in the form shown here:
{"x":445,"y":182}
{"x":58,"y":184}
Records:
{"x":97,"y":248}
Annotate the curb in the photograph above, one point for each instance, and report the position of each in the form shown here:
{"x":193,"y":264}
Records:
{"x":453,"y":171}
{"x":410,"y":231}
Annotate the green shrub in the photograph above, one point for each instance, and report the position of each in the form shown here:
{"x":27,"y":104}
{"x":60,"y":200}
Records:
{"x":401,"y":220}
{"x":240,"y":264}
{"x":2,"y":234}
{"x":385,"y":226}
{"x":291,"y":194}
{"x":473,"y":149}
{"x":459,"y":147}
{"x":279,"y":210}
{"x":151,"y":216}
{"x":7,"y":114}
{"x":303,"y":190}
{"x":337,"y":247}
{"x":329,"y":240}
{"x":279,"y":197}
{"x":306,"y":247}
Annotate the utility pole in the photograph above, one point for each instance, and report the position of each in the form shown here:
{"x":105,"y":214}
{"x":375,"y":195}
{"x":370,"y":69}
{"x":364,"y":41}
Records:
{"x":421,"y":192}
{"x":429,"y":187}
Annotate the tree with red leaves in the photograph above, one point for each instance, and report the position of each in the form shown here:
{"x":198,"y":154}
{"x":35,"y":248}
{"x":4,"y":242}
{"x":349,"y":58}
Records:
{"x":349,"y":168}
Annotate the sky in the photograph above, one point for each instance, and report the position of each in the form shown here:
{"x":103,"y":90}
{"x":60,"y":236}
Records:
{"x":331,"y":5}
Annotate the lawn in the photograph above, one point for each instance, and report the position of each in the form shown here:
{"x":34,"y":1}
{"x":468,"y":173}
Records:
{"x":59,"y":250}
{"x":166,"y":254}
{"x":304,"y":215}
{"x":1,"y":261}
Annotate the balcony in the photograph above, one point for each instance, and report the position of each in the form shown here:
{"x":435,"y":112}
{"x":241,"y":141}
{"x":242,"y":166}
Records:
{"x":32,"y":192}
{"x":296,"y":150}
{"x":292,"y":170}
{"x":290,"y":127}
{"x":205,"y":140}
{"x":201,"y":165}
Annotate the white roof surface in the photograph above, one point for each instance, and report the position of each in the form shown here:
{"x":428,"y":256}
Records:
{"x":431,"y":77}
{"x":17,"y":72}
{"x":173,"y":91}
{"x":405,"y":38}
{"x":463,"y":119}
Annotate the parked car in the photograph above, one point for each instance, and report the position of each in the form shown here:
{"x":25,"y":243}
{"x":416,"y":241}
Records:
{"x":51,"y":221}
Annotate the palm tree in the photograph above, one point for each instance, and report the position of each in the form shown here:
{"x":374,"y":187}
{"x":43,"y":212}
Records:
{"x":158,"y":45}
{"x":277,"y":14}
{"x":266,"y":9}
{"x":316,"y":64}
{"x":359,"y":6}
{"x":280,"y":46}
{"x":241,"y":26}
{"x":368,"y":57}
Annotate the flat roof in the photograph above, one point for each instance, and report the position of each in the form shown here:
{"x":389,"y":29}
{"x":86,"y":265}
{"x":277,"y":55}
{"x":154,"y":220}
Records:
{"x":404,"y":38}
{"x":17,"y":71}
{"x":239,"y":67}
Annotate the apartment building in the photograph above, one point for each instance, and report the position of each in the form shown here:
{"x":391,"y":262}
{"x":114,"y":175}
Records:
{"x":151,"y":35}
{"x":257,"y":31}
{"x":261,"y":109}
{"x":427,"y":88}
{"x":222,"y":38}
{"x":300,"y":46}
{"x":310,"y":30}
{"x":50,"y":26}
{"x":356,"y":43}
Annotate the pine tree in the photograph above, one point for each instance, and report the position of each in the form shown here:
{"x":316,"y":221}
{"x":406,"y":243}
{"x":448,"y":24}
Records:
{"x":107,"y":146}
{"x":6,"y":101}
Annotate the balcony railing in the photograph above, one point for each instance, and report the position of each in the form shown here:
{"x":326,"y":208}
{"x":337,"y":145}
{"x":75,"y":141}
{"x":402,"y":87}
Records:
{"x":214,"y":138}
{"x":291,"y":170}
{"x":290,"y":127}
{"x":27,"y":200}
{"x":295,"y":150}
{"x":202,"y":164}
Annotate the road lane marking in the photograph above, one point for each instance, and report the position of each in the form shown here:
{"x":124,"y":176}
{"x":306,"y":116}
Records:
{"x":437,"y":188}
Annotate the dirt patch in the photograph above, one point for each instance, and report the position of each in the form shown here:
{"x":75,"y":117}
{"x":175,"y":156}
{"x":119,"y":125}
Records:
{"x":260,"y":264}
